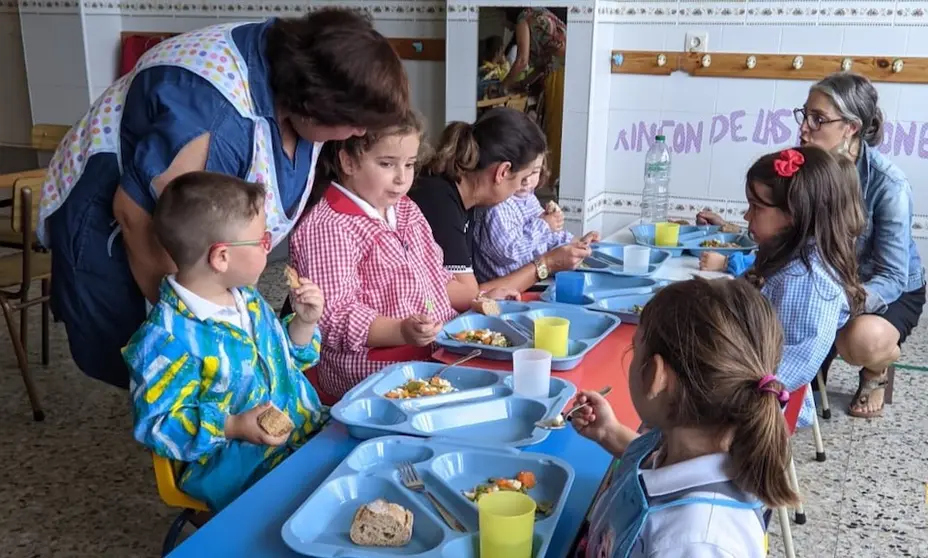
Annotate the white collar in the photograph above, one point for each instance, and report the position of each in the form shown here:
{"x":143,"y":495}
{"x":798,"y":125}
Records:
{"x":707,"y":469}
{"x":368,"y":208}
{"x":205,"y":309}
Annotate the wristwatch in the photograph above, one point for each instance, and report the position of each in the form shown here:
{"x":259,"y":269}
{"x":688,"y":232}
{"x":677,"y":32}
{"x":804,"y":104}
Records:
{"x":541,"y":270}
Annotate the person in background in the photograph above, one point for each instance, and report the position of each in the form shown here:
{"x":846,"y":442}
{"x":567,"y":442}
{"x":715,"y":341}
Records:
{"x":480,"y":165}
{"x":515,"y":232}
{"x":251,"y":100}
{"x":541,"y":42}
{"x":212,"y":357}
{"x":842,"y":115}
{"x":695,"y":484}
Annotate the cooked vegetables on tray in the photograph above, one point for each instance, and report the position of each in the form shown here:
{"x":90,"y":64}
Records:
{"x":523,"y":482}
{"x":483,"y":337}
{"x":719,"y":244}
{"x":436,"y":385}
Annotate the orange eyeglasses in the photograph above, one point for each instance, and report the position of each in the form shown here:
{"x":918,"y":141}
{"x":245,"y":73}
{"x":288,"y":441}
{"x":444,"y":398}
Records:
{"x":264,"y":242}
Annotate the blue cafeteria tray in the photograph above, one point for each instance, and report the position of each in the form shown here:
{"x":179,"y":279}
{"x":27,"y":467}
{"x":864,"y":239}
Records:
{"x":608,"y":257}
{"x":321,"y":526}
{"x":644,"y":235}
{"x":599,"y":286}
{"x":747,"y":244}
{"x":517,"y":322}
{"x":483,"y":409}
{"x":623,"y":306}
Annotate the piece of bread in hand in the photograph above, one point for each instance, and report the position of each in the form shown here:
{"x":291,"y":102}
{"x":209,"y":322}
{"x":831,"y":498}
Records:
{"x":381,"y":523}
{"x":275,"y":422}
{"x":552,"y":207}
{"x":730,"y":228}
{"x":485,"y":306}
{"x":293,"y":278}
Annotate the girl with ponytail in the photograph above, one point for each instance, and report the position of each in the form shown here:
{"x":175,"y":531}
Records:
{"x":702,"y":376}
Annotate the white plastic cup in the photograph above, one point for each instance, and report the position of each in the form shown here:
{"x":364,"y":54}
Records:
{"x":531,"y":373}
{"x":637,"y":259}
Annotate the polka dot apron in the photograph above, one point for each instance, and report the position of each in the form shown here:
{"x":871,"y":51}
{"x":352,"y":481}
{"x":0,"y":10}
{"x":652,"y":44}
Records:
{"x":210,"y":53}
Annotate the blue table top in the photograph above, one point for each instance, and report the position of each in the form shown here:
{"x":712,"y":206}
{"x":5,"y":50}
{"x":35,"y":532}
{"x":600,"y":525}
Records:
{"x":251,"y":525}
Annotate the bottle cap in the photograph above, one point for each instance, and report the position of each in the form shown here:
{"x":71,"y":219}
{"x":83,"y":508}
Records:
{"x":660,"y":138}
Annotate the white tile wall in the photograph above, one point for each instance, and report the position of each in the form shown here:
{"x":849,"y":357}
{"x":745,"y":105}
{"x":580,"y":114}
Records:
{"x":15,"y":120}
{"x":101,"y":41}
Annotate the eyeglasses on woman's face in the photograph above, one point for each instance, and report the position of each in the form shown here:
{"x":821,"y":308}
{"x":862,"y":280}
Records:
{"x":813,"y":120}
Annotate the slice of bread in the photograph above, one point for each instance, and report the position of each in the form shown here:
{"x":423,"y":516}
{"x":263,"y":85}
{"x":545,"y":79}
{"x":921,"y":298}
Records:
{"x":485,"y":306}
{"x":381,"y":523}
{"x":730,"y":228}
{"x":275,"y":422}
{"x":552,"y":207}
{"x":293,"y":278}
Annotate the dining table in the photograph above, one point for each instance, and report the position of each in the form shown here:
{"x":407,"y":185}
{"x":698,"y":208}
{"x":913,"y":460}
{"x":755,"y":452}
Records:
{"x":251,"y":525}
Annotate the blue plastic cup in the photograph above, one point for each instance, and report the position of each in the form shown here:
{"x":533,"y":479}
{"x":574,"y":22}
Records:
{"x":568,"y":287}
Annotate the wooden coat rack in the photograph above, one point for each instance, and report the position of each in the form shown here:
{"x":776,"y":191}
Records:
{"x":769,"y":66}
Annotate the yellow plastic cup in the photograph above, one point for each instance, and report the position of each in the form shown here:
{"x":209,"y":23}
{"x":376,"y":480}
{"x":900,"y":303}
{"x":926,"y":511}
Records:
{"x":667,"y":234}
{"x":507,"y":525}
{"x":551,"y":335}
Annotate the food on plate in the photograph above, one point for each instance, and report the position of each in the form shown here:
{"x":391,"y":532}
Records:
{"x":719,"y":244}
{"x":483,"y":337}
{"x":555,"y":422}
{"x":683,"y":222}
{"x":485,"y":306}
{"x":636,"y":309}
{"x":275,"y":422}
{"x":523,"y":482}
{"x":381,"y":523}
{"x":730,"y":228}
{"x":293,"y":278}
{"x":436,"y":385}
{"x":552,"y":207}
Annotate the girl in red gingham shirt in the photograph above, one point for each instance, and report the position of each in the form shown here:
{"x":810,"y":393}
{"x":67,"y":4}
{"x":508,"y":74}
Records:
{"x":371,"y":251}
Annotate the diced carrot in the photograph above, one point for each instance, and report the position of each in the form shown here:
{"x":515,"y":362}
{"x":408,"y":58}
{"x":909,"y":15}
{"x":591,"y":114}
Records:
{"x":527,"y":478}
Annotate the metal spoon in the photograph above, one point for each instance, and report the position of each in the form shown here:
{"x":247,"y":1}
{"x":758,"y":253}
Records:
{"x":555,"y":424}
{"x":469,"y":356}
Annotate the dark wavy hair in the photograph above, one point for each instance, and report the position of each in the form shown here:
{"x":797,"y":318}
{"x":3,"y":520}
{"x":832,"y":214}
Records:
{"x":332,"y":66}
{"x":823,"y":200}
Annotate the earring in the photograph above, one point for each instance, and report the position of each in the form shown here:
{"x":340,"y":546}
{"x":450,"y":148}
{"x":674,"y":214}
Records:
{"x":845,"y":147}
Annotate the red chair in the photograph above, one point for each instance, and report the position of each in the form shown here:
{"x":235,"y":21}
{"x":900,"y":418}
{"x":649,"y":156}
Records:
{"x":134,"y":45}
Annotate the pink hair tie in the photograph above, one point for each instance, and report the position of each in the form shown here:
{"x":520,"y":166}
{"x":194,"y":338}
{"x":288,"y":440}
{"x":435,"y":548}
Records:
{"x":782,"y":394}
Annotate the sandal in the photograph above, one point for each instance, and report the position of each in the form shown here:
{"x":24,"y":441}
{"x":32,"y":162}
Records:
{"x":866,"y":389}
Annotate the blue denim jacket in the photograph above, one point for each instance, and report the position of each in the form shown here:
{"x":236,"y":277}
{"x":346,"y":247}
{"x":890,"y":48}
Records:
{"x":887,"y":254}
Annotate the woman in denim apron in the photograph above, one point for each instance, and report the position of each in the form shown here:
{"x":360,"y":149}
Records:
{"x":695,"y":485}
{"x":252,"y":100}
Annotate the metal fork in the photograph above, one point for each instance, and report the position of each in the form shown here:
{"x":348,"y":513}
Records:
{"x":411,"y":480}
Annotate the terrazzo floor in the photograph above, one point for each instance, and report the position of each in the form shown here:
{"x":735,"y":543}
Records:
{"x":78,"y":485}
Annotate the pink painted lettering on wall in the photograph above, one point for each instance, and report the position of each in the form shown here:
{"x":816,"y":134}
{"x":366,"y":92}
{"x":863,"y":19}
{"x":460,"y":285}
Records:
{"x":774,"y":128}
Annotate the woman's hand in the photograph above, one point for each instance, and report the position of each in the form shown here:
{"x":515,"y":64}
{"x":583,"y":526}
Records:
{"x":566,"y":257}
{"x":245,"y":427}
{"x":308,"y":301}
{"x":419,"y":330}
{"x":596,"y":421}
{"x":555,"y":220}
{"x":591,"y":237}
{"x":712,"y":261}
{"x":503,"y":293}
{"x":706,"y":217}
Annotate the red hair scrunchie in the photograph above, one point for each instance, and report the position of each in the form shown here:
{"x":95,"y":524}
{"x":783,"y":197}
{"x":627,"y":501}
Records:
{"x":789,"y":162}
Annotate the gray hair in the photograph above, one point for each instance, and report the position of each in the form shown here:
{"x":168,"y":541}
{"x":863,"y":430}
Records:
{"x":857,"y":101}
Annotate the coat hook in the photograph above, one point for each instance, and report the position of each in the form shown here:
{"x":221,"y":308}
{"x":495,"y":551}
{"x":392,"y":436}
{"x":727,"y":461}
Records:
{"x":797,"y":63}
{"x":662,"y":60}
{"x":618,"y":59}
{"x":417,"y":46}
{"x":751,"y":62}
{"x":897,"y":65}
{"x":706,"y":60}
{"x":846,"y":65}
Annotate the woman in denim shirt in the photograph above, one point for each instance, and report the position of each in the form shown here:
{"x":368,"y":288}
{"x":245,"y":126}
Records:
{"x":842,"y":114}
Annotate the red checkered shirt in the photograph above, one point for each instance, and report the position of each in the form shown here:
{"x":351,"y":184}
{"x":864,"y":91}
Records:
{"x":366,"y":270}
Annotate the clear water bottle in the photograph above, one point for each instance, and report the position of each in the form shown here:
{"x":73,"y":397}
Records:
{"x":656,"y":194}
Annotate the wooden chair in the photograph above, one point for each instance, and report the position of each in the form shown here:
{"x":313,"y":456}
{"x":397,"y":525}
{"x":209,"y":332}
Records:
{"x":18,"y":271}
{"x":193,"y":511}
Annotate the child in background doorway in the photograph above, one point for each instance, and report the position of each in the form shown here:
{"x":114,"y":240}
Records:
{"x":212,"y":368}
{"x":701,"y":377}
{"x":516,"y":232}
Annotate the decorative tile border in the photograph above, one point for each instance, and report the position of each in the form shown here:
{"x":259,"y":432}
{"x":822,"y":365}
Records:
{"x":9,"y":7}
{"x":766,"y":12}
{"x":408,"y":10}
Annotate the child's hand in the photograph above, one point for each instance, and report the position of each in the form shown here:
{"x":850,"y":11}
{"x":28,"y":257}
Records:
{"x":712,"y":261}
{"x":597,"y":421}
{"x":555,"y":220}
{"x":244,"y":426}
{"x":706,"y":217}
{"x":591,"y":237}
{"x":308,"y":301}
{"x":419,"y":330}
{"x":502,"y":293}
